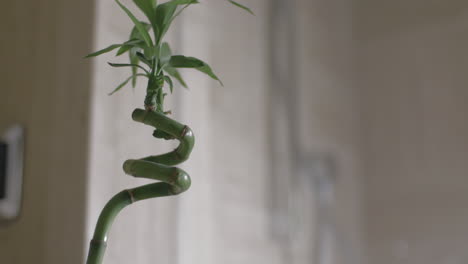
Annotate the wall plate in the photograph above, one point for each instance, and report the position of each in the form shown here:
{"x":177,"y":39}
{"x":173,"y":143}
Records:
{"x":11,"y":172}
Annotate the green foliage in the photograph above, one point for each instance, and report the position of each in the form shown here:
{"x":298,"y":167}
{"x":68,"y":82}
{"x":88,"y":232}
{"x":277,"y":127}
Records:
{"x":138,"y":25}
{"x":241,"y":6}
{"x":168,"y":80}
{"x":153,"y":56}
{"x":128,"y":65}
{"x":176,"y":75}
{"x":125,"y":82}
{"x":165,"y":54}
{"x":127,"y":45}
{"x":180,"y":61}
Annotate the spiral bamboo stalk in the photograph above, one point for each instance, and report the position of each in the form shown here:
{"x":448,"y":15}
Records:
{"x":162,"y":67}
{"x":173,"y":180}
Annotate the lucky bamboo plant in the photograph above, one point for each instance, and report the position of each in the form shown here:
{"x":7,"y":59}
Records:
{"x":151,"y":58}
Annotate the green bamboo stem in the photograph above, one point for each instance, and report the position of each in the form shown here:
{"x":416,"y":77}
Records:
{"x":173,"y":180}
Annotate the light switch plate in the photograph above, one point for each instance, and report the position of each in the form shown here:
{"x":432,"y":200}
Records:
{"x":11,"y":180}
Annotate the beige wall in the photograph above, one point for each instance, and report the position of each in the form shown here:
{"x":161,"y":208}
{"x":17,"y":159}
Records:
{"x":45,"y":86}
{"x":413,"y":63}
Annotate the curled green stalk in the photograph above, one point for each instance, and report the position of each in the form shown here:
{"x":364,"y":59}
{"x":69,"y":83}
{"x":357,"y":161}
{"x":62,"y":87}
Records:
{"x":151,"y":58}
{"x":173,"y":180}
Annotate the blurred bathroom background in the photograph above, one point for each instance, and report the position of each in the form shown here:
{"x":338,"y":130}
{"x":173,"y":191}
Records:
{"x":340,"y":135}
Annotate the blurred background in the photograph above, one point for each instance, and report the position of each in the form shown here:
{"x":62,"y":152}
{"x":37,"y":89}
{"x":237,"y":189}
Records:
{"x":340,"y":136}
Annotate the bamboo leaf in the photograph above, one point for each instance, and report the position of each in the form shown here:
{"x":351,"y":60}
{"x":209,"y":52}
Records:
{"x":175,"y":73}
{"x":139,"y":26}
{"x":123,"y":49}
{"x":128,"y":45}
{"x":133,"y":60}
{"x":143,"y":59}
{"x":135,"y":34}
{"x":241,"y":6}
{"x":118,"y":65}
{"x":165,"y":14}
{"x":155,"y":52}
{"x":133,"y":42}
{"x":149,"y":9}
{"x":188,"y":3}
{"x":165,"y":53}
{"x":208,"y":71}
{"x":125,"y":82}
{"x":180,"y":61}
{"x":184,"y":2}
{"x":108,"y":49}
{"x":169,"y":82}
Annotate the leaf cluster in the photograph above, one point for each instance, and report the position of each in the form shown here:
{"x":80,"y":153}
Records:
{"x":149,"y":56}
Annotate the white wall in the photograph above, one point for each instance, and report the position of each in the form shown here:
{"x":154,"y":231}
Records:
{"x":413,"y":74}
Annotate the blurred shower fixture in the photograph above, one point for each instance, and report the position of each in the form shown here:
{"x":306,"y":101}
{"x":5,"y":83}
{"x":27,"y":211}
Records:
{"x":11,"y":172}
{"x":318,"y":172}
